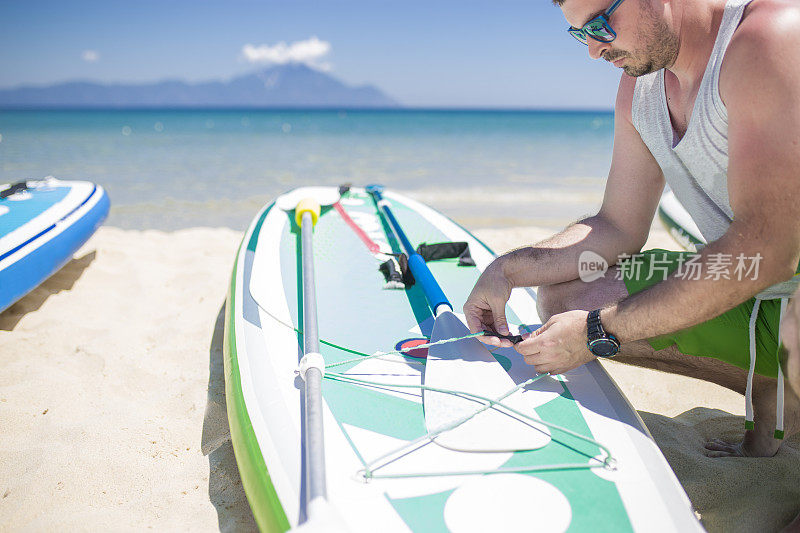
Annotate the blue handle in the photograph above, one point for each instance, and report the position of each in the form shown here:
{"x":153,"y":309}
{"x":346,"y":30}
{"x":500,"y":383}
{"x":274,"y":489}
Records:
{"x":422,"y":274}
{"x":433,"y":292}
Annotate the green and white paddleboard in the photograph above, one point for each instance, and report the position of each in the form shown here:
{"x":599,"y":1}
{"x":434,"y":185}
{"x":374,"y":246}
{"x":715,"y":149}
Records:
{"x":679,"y":222}
{"x":576,"y":458}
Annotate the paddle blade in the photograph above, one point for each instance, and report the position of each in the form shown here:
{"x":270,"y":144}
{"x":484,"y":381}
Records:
{"x":467,"y":365}
{"x":322,"y":195}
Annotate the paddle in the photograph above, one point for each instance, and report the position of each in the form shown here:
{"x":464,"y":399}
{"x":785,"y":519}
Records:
{"x":464,"y":365}
{"x":306,"y":204}
{"x":436,"y":298}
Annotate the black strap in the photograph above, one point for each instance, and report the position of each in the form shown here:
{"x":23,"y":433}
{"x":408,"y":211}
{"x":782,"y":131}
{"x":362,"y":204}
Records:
{"x":515,"y":339}
{"x":14,"y":189}
{"x":391,"y":272}
{"x":446,"y":250}
{"x":594,"y":328}
{"x":396,"y":270}
{"x":408,"y":276}
{"x":429,"y":252}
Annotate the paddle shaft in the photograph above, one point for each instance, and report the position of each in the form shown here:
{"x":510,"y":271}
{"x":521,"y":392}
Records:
{"x":315,"y":445}
{"x":422,"y":274}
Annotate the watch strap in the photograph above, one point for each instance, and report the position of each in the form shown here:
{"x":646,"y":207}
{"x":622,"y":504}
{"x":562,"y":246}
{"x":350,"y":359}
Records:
{"x":594,"y":328}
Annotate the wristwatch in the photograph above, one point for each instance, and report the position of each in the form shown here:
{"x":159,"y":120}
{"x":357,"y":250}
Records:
{"x":600,"y":343}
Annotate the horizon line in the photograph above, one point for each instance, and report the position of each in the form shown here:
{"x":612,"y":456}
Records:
{"x":321,"y":108}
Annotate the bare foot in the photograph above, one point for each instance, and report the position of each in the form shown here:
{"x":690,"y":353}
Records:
{"x":759,"y":442}
{"x":751,"y":446}
{"x":720,"y":448}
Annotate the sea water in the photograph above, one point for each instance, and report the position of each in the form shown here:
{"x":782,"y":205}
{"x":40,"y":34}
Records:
{"x":169,"y":169}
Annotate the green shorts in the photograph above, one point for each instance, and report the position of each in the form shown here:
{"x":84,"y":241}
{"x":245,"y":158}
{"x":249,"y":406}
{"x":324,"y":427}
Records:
{"x":726,"y":337}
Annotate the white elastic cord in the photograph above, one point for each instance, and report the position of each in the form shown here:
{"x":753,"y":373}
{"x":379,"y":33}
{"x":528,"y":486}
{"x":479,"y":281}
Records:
{"x":748,"y":393}
{"x":779,"y":412}
{"x":311,"y":360}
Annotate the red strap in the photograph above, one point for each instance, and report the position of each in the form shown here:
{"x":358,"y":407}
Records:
{"x":372,"y":245}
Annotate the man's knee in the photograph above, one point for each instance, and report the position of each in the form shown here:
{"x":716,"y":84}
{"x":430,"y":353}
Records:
{"x":576,"y":294}
{"x":551,"y":300}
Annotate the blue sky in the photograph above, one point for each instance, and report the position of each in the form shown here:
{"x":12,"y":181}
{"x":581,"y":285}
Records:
{"x":434,"y":53}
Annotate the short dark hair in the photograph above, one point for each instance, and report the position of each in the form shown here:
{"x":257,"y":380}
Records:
{"x":558,"y":3}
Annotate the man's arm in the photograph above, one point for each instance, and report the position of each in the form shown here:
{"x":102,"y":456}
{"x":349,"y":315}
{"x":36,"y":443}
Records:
{"x":632,"y":192}
{"x":622,"y":225}
{"x":760,"y":85}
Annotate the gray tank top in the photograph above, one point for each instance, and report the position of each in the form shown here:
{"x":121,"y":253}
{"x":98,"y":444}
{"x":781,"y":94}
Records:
{"x":696,"y":167}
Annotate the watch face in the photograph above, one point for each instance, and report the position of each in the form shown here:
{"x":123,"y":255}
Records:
{"x":603,"y":347}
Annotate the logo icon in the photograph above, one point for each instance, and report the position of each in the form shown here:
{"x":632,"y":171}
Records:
{"x":591,"y":266}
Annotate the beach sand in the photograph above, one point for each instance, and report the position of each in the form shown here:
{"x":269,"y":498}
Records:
{"x":112,"y":401}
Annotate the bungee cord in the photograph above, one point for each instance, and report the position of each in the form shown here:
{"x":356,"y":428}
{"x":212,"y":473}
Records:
{"x":367,"y":473}
{"x":369,"y":466}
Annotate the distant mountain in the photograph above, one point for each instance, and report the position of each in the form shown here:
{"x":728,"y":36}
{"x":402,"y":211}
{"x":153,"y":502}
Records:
{"x":292,"y":85}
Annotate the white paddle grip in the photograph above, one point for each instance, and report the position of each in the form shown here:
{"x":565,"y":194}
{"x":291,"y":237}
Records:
{"x":311,"y":360}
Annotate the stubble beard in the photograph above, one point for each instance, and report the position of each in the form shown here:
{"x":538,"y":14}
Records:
{"x":659,"y":51}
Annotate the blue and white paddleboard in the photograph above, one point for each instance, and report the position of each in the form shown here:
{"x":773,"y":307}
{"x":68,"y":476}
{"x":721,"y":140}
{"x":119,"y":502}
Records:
{"x":42,"y":223}
{"x":394,"y":461}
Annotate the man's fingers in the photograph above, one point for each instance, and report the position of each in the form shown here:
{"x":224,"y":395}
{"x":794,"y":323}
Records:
{"x":536,"y":360}
{"x":536,"y":340}
{"x":504,"y":343}
{"x":473,"y":316}
{"x":494,"y":341}
{"x":499,"y":314}
{"x":479,"y":319}
{"x":484,"y":315}
{"x":544,"y":369}
{"x":531,"y":345}
{"x":530,"y":331}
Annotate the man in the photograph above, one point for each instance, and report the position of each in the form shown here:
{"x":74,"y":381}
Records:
{"x":790,"y":359}
{"x":709,"y":100}
{"x":790,"y":340}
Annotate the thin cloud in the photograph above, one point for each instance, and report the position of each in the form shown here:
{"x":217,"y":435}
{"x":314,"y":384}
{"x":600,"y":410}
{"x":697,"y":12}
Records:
{"x":311,"y":52}
{"x":90,"y":56}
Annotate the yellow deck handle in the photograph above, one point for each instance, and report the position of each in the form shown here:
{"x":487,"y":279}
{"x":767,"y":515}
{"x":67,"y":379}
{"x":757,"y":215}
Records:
{"x":307,"y":205}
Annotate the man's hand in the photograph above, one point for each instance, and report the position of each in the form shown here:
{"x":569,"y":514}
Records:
{"x":485,"y":309}
{"x":559,"y":345}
